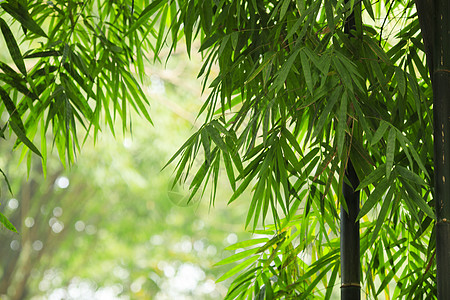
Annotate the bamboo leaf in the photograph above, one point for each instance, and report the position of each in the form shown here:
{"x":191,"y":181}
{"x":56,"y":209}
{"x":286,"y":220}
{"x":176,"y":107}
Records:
{"x":401,"y":81}
{"x":18,"y":12}
{"x":229,"y":169}
{"x":326,"y":112}
{"x":390,"y":152}
{"x":416,"y":196}
{"x":13,"y":47}
{"x":373,"y":177}
{"x":331,"y":282}
{"x":374,"y":197}
{"x":4,"y":220}
{"x":284,"y":71}
{"x":411,"y":176}
{"x":238,"y":268}
{"x":382,"y":215}
{"x":16,"y":122}
{"x":248,"y":243}
{"x":236,"y":257}
{"x":307,"y":72}
{"x":342,"y":124}
{"x":330,"y":15}
{"x":6,"y":179}
{"x":260,"y":68}
{"x":145,"y":15}
{"x":380,"y":132}
{"x":241,"y":188}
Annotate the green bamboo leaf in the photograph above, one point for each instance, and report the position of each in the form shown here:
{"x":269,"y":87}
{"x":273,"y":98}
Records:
{"x":414,"y":153}
{"x":343,"y":72}
{"x":256,"y":203}
{"x":404,"y":148}
{"x":415,"y":91}
{"x":6,"y":179}
{"x":342,"y":124}
{"x":138,"y":95}
{"x":241,"y":188}
{"x":279,"y":238}
{"x":330,"y":15}
{"x":401,"y":81}
{"x":409,"y":175}
{"x":373,"y":177}
{"x":390,"y":150}
{"x":284,"y":71}
{"x":238,"y":268}
{"x":248,"y":243}
{"x":284,"y":8}
{"x":415,"y":195}
{"x":289,"y":155}
{"x":331,"y":282}
{"x":15,"y":122}
{"x":368,"y":7}
{"x":4,"y":220}
{"x":145,"y":15}
{"x":229,"y":169}
{"x":20,"y":13}
{"x":49,"y":53}
{"x":314,"y":283}
{"x":307,"y":72}
{"x":162,"y":28}
{"x":374,"y":197}
{"x":326,"y":112}
{"x":380,"y":132}
{"x":261,"y":67}
{"x":310,"y":11}
{"x":13,"y":48}
{"x":215,"y":136}
{"x":236,"y":257}
{"x":292,"y":140}
{"x":382,"y":215}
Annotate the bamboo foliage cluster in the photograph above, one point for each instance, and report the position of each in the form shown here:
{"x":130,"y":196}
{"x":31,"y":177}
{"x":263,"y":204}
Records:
{"x":295,"y":98}
{"x":75,"y":64}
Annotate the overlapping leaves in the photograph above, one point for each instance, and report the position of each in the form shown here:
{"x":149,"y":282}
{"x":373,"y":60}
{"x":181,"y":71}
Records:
{"x":296,"y":98}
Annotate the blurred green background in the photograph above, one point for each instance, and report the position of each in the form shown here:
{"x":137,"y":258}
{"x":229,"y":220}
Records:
{"x":112,"y":226}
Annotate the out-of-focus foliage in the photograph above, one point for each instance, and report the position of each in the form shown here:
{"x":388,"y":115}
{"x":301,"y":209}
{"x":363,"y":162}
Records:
{"x":112,"y":227}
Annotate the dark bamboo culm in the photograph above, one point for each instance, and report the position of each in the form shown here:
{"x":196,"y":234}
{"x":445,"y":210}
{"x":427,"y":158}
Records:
{"x":350,"y":256}
{"x":434,"y":19}
{"x":441,"y":110}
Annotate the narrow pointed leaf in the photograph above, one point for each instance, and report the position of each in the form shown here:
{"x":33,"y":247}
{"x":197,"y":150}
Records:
{"x":390,"y":152}
{"x":4,"y":220}
{"x":374,"y":197}
{"x":13,"y":48}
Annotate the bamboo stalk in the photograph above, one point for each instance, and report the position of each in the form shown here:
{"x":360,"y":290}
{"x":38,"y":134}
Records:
{"x":441,"y":110}
{"x":350,"y":254}
{"x":350,"y":248}
{"x":434,"y":21}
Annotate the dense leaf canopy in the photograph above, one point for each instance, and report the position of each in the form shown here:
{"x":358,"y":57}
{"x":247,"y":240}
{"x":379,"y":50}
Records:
{"x":295,"y":98}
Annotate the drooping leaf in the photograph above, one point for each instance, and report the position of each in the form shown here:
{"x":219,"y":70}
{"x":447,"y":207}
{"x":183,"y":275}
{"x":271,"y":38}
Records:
{"x":5,"y":222}
{"x":18,"y":12}
{"x":374,"y":197}
{"x":15,"y":122}
{"x":13,"y":48}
